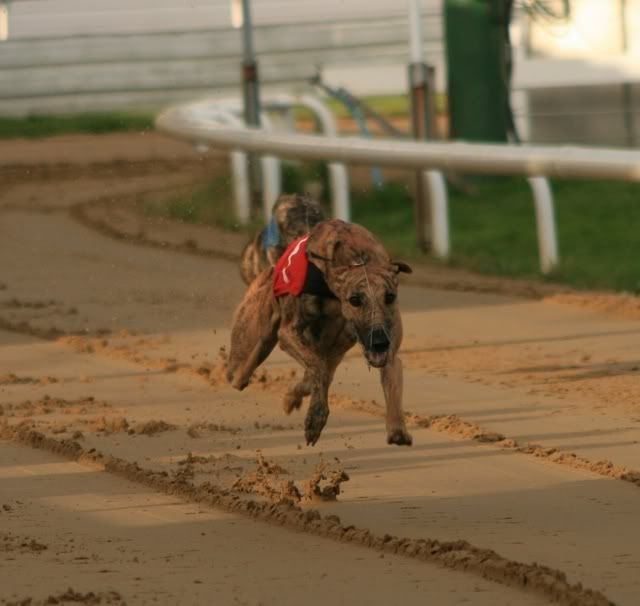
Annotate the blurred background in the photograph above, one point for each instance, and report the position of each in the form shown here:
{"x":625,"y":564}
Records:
{"x":517,"y":71}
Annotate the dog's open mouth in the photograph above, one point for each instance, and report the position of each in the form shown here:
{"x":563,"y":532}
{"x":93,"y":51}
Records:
{"x":377,"y":359}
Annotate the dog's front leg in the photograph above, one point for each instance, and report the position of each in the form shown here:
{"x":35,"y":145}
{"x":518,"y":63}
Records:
{"x":318,"y":411}
{"x":391,"y":377}
{"x":318,"y":375}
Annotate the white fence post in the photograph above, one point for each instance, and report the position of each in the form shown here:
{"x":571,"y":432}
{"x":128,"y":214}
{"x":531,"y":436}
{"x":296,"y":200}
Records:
{"x":341,"y":207}
{"x":238,"y":158}
{"x":242,"y":201}
{"x":271,"y":174}
{"x":545,"y":222}
{"x":271,"y":184}
{"x":436,"y":185}
{"x":339,"y":176}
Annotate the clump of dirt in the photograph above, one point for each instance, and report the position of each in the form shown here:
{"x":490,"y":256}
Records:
{"x":126,"y":351}
{"x":222,"y":467}
{"x":454,"y":425}
{"x":121,"y":346}
{"x":58,"y":427}
{"x":186,"y":468}
{"x":25,"y":328}
{"x":20,"y":304}
{"x":152,"y":428}
{"x":324,"y":484}
{"x":215,"y":373}
{"x":370,"y":407}
{"x":196,"y":429}
{"x":48,"y":405}
{"x":11,"y":379}
{"x":274,"y":426}
{"x":107,"y":426}
{"x":118,"y":424}
{"x":265,"y":481}
{"x":10,"y":542}
{"x":196,"y":459}
{"x":570,"y":459}
{"x":276,"y":381}
{"x":74,"y":597}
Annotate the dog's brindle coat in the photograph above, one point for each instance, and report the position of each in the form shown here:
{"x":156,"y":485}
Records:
{"x":318,"y":331}
{"x":294,"y":215}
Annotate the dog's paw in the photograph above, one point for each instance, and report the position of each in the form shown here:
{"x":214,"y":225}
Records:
{"x":399,"y":437}
{"x":291,"y":402}
{"x":314,"y":423}
{"x":235,"y":383}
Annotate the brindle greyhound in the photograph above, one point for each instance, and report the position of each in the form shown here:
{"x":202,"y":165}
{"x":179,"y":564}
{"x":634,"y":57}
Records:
{"x":355,"y":302}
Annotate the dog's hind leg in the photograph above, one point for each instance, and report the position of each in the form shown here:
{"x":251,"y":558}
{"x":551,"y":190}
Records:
{"x":254,"y":332}
{"x":391,"y":376}
{"x":293,"y":398}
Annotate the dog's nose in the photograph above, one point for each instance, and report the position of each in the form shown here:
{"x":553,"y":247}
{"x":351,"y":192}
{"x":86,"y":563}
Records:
{"x":378,"y":340}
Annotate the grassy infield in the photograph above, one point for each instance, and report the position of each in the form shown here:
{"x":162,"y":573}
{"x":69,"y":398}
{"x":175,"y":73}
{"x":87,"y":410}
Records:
{"x":493,"y":229}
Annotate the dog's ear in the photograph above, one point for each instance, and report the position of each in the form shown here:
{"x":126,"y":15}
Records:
{"x":323,"y":256}
{"x":401,"y":267}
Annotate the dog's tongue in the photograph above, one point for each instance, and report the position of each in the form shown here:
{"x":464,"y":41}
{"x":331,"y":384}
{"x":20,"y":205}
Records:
{"x":377,"y":358}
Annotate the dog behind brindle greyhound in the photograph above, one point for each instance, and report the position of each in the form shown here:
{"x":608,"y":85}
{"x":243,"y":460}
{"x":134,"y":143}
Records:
{"x":293,"y":215}
{"x":348,"y":295}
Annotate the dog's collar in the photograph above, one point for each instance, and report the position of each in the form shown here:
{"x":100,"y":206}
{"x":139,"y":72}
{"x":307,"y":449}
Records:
{"x":315,"y":283}
{"x":313,"y":255}
{"x":359,"y":263}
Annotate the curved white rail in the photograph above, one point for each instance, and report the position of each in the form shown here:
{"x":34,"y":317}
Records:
{"x":535,"y":162}
{"x":529,"y":160}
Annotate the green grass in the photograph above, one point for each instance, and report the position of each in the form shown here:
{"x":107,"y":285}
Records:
{"x":389,"y":106}
{"x":212,"y":205}
{"x":93,"y":123}
{"x":493,"y":231}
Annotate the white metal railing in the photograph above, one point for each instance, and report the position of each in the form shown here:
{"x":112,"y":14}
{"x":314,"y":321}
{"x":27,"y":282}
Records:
{"x":227,"y":112}
{"x":212,"y":114}
{"x":535,"y":162}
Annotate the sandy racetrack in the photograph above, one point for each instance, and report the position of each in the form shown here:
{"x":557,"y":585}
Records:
{"x":131,"y":473}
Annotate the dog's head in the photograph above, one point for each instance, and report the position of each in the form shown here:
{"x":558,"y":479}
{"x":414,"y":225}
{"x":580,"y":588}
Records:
{"x":360,"y":273}
{"x":295,"y":215}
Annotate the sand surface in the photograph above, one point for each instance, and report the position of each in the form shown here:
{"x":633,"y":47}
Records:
{"x":131,"y":473}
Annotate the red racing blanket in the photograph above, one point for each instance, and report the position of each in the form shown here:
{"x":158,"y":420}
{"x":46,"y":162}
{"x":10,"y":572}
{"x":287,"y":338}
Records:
{"x":291,"y":269}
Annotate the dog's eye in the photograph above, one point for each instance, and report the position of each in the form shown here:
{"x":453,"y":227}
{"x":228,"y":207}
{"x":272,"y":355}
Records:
{"x":389,"y":298}
{"x":356,"y":300}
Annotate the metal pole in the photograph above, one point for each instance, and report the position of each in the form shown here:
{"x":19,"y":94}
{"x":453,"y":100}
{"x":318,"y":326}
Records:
{"x":251,"y":96}
{"x":421,"y":121}
{"x":4,"y":21}
{"x":627,"y":90}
